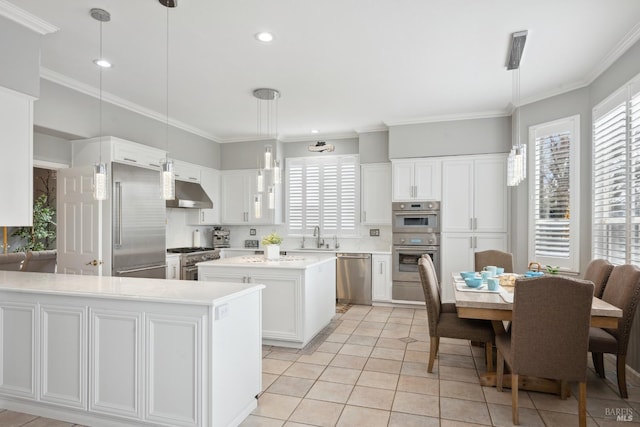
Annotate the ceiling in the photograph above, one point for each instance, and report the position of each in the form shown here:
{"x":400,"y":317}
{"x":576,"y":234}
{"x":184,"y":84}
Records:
{"x":342,"y":67}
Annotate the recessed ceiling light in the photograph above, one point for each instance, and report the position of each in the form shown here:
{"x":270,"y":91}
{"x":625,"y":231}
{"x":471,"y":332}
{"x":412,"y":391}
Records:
{"x":264,"y":37}
{"x":314,"y":131}
{"x":102,"y":63}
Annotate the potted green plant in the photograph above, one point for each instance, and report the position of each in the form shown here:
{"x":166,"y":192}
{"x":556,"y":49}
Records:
{"x":271,"y":243}
{"x":43,"y":233}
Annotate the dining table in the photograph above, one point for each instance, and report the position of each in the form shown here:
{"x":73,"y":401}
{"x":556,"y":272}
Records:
{"x":497,"y":306}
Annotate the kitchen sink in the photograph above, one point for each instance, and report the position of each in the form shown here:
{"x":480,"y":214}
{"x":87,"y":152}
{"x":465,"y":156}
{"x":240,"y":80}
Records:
{"x":317,"y":249}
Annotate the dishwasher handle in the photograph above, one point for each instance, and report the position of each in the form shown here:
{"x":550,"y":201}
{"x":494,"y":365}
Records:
{"x":354,"y":256}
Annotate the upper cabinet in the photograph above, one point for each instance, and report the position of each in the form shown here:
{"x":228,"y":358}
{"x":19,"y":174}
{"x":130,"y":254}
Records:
{"x":475,"y":189}
{"x":241,"y":202}
{"x":187,"y":171}
{"x":416,"y":179}
{"x":375,"y":185}
{"x":112,"y":149}
{"x":16,"y":144}
{"x":210,"y":181}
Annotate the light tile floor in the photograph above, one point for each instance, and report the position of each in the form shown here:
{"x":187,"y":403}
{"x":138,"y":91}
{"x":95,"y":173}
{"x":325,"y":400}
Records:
{"x":369,"y":368}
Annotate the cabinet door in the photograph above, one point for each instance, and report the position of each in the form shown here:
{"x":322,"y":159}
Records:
{"x":427,"y":179}
{"x":115,"y":385}
{"x":251,"y":185}
{"x":16,"y":146}
{"x":173,"y":267}
{"x":457,"y":255}
{"x":376,"y":194}
{"x":457,"y":195}
{"x":18,"y":349}
{"x":283,"y":320}
{"x":136,"y":154}
{"x":381,"y":278}
{"x":186,"y":171}
{"x":63,"y":367}
{"x":486,"y":241}
{"x":403,"y":189}
{"x":490,"y":202}
{"x":234,"y":192}
{"x":210,"y":180}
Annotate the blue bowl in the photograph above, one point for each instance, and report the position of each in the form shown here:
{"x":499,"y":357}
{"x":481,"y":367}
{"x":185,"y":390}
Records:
{"x":473,"y":282}
{"x":468,"y":274}
{"x":533,"y":274}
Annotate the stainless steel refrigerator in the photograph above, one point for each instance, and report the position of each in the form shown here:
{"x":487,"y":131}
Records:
{"x":137,"y":223}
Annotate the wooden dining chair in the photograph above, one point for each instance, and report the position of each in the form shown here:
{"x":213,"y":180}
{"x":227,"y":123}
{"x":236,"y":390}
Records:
{"x":41,"y":261}
{"x":549,"y":335}
{"x":623,"y":291}
{"x":12,"y":261}
{"x":598,"y":271}
{"x":494,"y":257}
{"x":449,"y":325}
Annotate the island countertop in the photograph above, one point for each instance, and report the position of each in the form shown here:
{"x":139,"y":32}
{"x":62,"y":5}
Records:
{"x":289,"y":262}
{"x":126,"y":288}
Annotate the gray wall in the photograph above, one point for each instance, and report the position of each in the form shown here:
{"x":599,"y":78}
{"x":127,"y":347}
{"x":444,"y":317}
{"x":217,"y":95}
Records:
{"x":63,"y":110}
{"x":374,"y":147}
{"x":247,"y":154}
{"x":20,"y":53}
{"x":477,"y":136}
{"x":619,"y":73}
{"x":51,"y":148}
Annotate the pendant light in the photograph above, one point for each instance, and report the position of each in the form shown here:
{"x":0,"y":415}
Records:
{"x":100,"y":168}
{"x":167,"y":171}
{"x":267,"y":111}
{"x":517,"y":159}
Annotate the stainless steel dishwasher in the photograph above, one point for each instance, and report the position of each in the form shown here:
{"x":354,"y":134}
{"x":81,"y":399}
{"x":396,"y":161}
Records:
{"x":353,"y":281}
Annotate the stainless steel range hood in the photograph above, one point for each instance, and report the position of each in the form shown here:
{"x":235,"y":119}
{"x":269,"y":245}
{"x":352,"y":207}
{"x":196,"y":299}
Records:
{"x":190,"y":195}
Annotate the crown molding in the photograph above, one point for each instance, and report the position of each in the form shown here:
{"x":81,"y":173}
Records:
{"x":22,"y":17}
{"x":73,"y":84}
{"x":319,"y":137}
{"x":371,"y":129}
{"x":449,"y":118}
{"x":627,"y":41}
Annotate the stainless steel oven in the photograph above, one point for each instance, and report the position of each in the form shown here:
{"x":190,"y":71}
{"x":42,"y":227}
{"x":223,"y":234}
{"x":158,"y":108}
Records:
{"x":406,"y":278}
{"x":416,"y":217}
{"x":189,"y":257}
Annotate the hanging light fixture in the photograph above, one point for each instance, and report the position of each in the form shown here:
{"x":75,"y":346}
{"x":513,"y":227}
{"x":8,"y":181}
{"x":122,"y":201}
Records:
{"x":167,"y":171}
{"x":517,"y":160}
{"x":272,"y":197}
{"x":267,"y":111}
{"x":100,"y":168}
{"x":257,"y":205}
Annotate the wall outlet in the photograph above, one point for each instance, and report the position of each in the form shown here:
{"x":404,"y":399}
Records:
{"x":374,"y":232}
{"x":252,"y":232}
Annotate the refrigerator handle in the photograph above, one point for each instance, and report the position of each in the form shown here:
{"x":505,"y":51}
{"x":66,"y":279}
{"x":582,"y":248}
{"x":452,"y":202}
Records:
{"x":117,"y":223}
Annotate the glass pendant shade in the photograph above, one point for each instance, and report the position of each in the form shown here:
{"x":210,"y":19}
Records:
{"x":260,"y":181}
{"x":257,"y":206}
{"x":267,"y":157}
{"x":272,"y":197}
{"x":100,"y":181}
{"x":277,"y":173}
{"x":168,"y":177}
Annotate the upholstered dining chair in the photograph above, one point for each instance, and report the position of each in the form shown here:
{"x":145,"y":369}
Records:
{"x":449,"y":325}
{"x":12,"y":261}
{"x":623,"y":291}
{"x":447,"y":307}
{"x":598,"y":271}
{"x":41,"y":261}
{"x":549,"y":335}
{"x":494,"y":257}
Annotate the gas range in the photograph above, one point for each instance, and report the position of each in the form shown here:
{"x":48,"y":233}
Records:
{"x":190,"y":256}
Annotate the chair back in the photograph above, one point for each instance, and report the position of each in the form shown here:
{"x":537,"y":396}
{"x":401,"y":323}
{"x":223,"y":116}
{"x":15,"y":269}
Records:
{"x":494,"y":257}
{"x":12,"y":262}
{"x":41,"y":261}
{"x":623,"y":291}
{"x":598,"y":271}
{"x":431,"y":293}
{"x":550,"y":328}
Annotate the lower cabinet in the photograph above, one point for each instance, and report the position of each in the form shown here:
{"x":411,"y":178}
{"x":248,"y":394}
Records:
{"x":381,"y":278}
{"x":173,"y":267}
{"x":18,"y":348}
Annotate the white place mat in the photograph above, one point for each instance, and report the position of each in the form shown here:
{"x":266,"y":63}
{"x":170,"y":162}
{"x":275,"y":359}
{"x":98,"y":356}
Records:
{"x":462,"y":286}
{"x":506,"y":295}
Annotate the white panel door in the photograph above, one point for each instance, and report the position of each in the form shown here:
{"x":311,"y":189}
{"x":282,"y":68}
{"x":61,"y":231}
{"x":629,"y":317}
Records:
{"x":174,"y":373}
{"x":486,"y":241}
{"x":234,"y":191}
{"x":457,"y":255}
{"x":63,"y":365}
{"x":282,"y":294}
{"x":403,"y":189}
{"x":427,"y":179}
{"x":375,"y":187}
{"x":18,"y":349}
{"x":210,"y":181}
{"x":381,"y":278}
{"x":80,"y":227}
{"x":115,"y":374}
{"x":457,"y":195}
{"x":490,"y":203}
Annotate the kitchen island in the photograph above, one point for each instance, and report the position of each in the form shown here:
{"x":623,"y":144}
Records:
{"x":298,"y":300}
{"x":107,"y":351}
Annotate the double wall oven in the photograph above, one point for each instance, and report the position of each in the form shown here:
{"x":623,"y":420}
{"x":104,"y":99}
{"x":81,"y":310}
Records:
{"x":416,"y":232}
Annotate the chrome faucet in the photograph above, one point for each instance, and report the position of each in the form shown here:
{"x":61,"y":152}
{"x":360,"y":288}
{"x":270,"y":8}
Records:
{"x":316,"y":234}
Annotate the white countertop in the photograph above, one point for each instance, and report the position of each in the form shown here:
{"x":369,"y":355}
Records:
{"x":291,"y":262}
{"x":316,"y":251}
{"x":126,"y":288}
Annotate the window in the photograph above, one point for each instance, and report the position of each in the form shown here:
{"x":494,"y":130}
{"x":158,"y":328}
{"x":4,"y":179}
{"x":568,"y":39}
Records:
{"x":555,"y":190}
{"x":616,"y":176}
{"x":323,"y":192}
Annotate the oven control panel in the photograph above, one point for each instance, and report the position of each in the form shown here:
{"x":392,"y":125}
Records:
{"x":416,"y":239}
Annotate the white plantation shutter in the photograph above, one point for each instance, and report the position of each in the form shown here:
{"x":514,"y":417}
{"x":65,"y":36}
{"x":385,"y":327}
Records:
{"x":554,"y":186}
{"x":323,"y":192}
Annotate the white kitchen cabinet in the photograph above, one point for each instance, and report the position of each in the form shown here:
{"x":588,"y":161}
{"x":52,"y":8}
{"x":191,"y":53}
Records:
{"x":416,"y":179}
{"x":381,"y":278}
{"x":210,"y":180}
{"x":186,"y":171}
{"x":18,"y":348}
{"x":173,"y":266}
{"x":238,"y":189}
{"x":16,"y":146}
{"x":87,"y":152}
{"x":375,"y":189}
{"x":475,"y":194}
